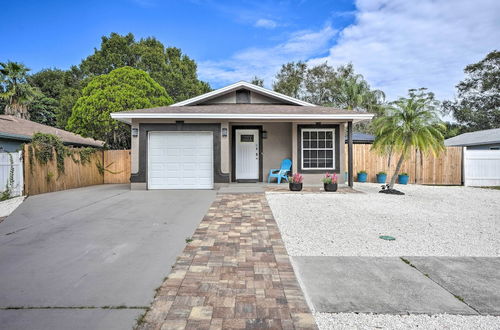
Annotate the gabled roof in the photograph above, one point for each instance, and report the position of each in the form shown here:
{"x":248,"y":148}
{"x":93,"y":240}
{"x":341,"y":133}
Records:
{"x":489,"y":136}
{"x":19,"y":129}
{"x":242,"y":85}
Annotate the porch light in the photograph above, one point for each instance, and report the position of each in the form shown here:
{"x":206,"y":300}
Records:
{"x":135,"y":132}
{"x":264,"y":134}
{"x":224,"y":131}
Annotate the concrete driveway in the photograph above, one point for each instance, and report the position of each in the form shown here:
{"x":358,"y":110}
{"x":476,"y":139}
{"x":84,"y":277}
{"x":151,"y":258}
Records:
{"x":91,"y":258}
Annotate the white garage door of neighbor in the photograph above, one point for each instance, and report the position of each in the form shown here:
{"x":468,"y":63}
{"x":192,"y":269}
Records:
{"x":180,"y":160}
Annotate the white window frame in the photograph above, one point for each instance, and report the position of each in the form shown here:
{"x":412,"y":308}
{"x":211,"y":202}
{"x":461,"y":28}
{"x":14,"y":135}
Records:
{"x":302,"y":149}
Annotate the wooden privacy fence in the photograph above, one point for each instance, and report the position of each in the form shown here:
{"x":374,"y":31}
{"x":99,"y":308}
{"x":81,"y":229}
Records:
{"x":445,"y":169}
{"x":108,"y":166}
{"x":117,"y":166}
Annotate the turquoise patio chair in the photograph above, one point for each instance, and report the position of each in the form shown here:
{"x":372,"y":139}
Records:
{"x":286,"y":166}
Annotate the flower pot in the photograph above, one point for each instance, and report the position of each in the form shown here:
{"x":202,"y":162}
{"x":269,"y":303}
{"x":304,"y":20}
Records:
{"x":362,"y":177}
{"x":295,"y":186}
{"x":381,"y":178}
{"x":330,"y":186}
{"x":403,"y":179}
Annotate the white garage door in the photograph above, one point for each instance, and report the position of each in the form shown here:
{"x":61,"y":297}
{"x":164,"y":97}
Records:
{"x":180,"y":160}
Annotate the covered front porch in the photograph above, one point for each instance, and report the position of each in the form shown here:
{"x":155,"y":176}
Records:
{"x":249,"y":150}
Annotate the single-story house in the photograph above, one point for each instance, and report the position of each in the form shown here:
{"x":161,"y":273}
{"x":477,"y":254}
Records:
{"x":361,"y":138}
{"x":236,"y":134}
{"x":488,"y":139}
{"x":14,"y":132}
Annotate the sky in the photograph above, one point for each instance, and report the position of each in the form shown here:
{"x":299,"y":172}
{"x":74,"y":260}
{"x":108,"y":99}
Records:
{"x":394,"y":44}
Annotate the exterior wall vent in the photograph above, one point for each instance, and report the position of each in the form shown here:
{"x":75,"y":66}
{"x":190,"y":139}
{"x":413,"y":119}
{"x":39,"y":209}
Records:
{"x":242,"y":96}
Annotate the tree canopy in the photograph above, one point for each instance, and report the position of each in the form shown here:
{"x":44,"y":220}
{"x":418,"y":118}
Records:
{"x":325,"y":85}
{"x":477,"y":106}
{"x":122,"y":89}
{"x":168,"y":66}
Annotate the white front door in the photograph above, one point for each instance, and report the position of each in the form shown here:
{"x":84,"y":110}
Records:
{"x":247,"y":154}
{"x":180,"y":160}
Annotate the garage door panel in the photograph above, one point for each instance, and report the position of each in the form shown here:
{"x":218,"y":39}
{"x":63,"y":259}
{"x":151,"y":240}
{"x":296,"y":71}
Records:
{"x":180,"y":160}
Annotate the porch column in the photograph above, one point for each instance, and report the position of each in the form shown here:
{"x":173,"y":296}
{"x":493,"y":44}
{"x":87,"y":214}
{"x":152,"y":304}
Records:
{"x":349,"y":154}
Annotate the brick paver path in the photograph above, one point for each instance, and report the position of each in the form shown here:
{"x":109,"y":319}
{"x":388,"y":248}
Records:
{"x":235,"y":274}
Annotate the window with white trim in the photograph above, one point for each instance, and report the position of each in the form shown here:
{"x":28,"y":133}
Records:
{"x":318,"y":148}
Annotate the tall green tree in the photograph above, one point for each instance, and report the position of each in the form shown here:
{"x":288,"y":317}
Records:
{"x":477,"y":105}
{"x":172,"y":69}
{"x":122,"y":89}
{"x":290,"y":79}
{"x":44,"y":107}
{"x":410,"y":123}
{"x":257,"y":81}
{"x":325,"y":85}
{"x":16,"y":91}
{"x":60,"y":89}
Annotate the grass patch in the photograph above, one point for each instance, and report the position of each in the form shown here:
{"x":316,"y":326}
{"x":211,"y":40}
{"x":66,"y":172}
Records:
{"x":491,"y":187}
{"x":406,"y":261}
{"x":188,"y":240}
{"x":459,"y":298}
{"x":74,"y":307}
{"x":141,"y":319}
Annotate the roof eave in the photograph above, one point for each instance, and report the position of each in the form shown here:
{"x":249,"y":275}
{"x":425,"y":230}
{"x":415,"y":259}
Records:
{"x":127,"y":117}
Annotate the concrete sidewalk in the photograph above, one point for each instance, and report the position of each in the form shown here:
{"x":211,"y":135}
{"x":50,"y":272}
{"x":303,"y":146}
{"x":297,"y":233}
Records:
{"x":91,"y":258}
{"x":392,"y":285}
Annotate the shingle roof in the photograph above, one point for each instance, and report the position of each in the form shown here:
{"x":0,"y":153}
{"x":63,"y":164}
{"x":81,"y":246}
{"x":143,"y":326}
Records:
{"x":488,"y":136}
{"x":22,"y":129}
{"x":362,"y":138}
{"x":245,"y":108}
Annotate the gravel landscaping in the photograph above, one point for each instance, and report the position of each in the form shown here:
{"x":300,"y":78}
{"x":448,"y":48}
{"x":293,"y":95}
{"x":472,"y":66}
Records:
{"x":427,"y":221}
{"x":373,"y":321}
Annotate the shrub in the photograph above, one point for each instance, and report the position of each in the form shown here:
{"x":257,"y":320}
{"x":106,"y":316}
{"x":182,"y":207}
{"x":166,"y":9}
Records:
{"x":362,"y":172}
{"x":381,"y":173}
{"x":403,"y":173}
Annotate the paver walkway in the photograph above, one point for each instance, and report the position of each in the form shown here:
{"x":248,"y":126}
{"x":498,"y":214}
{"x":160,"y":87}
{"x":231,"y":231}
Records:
{"x":235,"y":274}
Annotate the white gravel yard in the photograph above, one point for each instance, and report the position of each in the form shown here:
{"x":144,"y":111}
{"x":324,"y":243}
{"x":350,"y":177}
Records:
{"x":427,"y":221}
{"x":371,"y":321}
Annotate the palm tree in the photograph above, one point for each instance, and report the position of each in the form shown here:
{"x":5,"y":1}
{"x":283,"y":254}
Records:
{"x":410,"y":123}
{"x":354,"y":93}
{"x":16,"y":90}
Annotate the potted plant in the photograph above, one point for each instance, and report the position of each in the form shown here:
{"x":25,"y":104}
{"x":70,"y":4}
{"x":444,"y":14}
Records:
{"x":330,"y":182}
{"x":381,"y":177}
{"x":362,"y":176}
{"x":403,"y":178}
{"x":295,"y":182}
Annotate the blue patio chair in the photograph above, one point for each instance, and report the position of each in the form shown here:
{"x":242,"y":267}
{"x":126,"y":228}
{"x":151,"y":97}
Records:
{"x":286,"y":166}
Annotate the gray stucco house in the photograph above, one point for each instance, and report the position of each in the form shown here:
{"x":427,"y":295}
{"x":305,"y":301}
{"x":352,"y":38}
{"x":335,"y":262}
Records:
{"x":14,"y":132}
{"x":236,"y":134}
{"x":480,"y":140}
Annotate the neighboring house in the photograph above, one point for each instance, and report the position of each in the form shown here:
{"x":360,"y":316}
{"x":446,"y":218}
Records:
{"x":480,"y":140}
{"x":15,"y":131}
{"x":361,"y":138}
{"x":235,"y":134}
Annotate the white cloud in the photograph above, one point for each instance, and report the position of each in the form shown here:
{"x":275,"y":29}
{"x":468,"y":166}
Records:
{"x":266,"y":23}
{"x":395,"y":44}
{"x":265,"y":62}
{"x":400,"y":44}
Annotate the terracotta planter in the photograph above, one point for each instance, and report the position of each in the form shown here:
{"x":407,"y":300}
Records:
{"x":295,"y":186}
{"x":330,"y":186}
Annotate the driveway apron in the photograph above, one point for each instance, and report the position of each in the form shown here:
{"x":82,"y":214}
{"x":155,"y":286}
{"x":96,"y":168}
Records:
{"x":234,"y":274}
